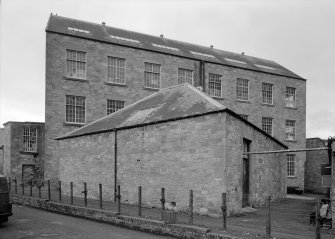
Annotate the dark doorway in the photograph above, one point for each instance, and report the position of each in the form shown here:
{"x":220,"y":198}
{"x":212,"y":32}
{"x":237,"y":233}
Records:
{"x":245,"y":174}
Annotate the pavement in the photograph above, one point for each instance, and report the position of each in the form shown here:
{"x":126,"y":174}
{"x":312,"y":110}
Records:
{"x":28,"y":223}
{"x":289,"y":217}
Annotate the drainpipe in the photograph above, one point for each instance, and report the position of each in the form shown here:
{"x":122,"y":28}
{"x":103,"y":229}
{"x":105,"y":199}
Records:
{"x":115,"y":165}
{"x":202,"y":75}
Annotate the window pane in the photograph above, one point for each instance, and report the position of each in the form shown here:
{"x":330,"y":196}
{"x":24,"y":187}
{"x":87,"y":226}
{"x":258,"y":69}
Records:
{"x":185,"y":76}
{"x":214,"y":85}
{"x":75,"y":109}
{"x":114,"y":105}
{"x":267,"y":125}
{"x":267,"y":93}
{"x":116,"y":70}
{"x":152,"y":75}
{"x":242,"y":89}
{"x":76,"y":64}
{"x":290,"y":97}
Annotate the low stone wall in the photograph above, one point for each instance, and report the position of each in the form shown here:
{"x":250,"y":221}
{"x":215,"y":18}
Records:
{"x":135,"y":223}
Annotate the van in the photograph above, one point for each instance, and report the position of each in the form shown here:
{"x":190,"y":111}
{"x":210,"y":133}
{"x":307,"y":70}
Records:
{"x":5,"y":204}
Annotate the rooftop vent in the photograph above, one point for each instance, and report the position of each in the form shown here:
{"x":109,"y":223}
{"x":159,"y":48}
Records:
{"x":73,"y":29}
{"x":202,"y":54}
{"x":165,"y":47}
{"x":211,"y":46}
{"x":161,"y":35}
{"x":103,"y":23}
{"x":235,"y":61}
{"x":124,"y":39}
{"x":266,"y":67}
{"x":242,"y":53}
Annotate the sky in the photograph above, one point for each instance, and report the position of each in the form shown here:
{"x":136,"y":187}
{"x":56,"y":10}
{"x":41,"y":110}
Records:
{"x":298,"y":34}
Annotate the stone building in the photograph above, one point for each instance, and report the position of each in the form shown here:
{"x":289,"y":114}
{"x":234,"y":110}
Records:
{"x":151,"y":143}
{"x":314,"y":159}
{"x":93,"y":69}
{"x":23,"y":150}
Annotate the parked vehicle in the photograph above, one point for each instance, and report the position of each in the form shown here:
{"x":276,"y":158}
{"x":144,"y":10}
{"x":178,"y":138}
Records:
{"x":5,"y":204}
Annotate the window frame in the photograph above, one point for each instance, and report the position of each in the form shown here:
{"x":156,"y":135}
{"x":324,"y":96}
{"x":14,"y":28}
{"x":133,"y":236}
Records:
{"x":291,"y":160}
{"x":152,"y":72}
{"x":109,"y":80}
{"x":111,"y":100}
{"x":209,"y":82}
{"x":184,"y":77}
{"x":287,"y":134}
{"x":265,"y":125}
{"x":85,"y":115}
{"x":242,"y":88}
{"x":287,"y":96}
{"x":265,"y":93}
{"x":29,"y":137}
{"x":70,"y":60}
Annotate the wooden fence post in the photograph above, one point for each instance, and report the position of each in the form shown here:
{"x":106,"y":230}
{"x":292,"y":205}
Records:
{"x":140,"y":201}
{"x":118,"y":199}
{"x":317,"y":220}
{"x":268,"y":219}
{"x":15,"y":185}
{"x":100,"y":195}
{"x":49,"y":190}
{"x":163,"y":202}
{"x":85,"y":194}
{"x":71,"y":193}
{"x":190,"y":208}
{"x":224,"y":211}
{"x":31,"y":187}
{"x":60,"y":191}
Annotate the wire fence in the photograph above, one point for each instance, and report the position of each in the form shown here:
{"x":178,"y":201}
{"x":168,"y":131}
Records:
{"x":280,"y":218}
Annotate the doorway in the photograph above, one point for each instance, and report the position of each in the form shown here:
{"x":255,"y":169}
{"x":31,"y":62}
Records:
{"x":245,"y":173}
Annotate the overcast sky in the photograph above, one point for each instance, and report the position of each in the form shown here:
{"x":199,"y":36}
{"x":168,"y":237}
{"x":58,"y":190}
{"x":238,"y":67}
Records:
{"x":300,"y":35}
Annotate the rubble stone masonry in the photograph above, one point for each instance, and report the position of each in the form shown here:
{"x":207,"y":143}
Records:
{"x":97,"y":91}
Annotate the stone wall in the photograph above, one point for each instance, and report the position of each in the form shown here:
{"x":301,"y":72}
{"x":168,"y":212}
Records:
{"x":314,"y":159}
{"x":97,"y":91}
{"x":88,"y":159}
{"x":194,"y":153}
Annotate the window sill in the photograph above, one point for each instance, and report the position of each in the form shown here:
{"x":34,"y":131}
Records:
{"x":243,"y":101}
{"x":271,"y":105}
{"x":74,"y":124}
{"x":28,"y":152}
{"x":217,"y":97}
{"x":292,"y":108}
{"x":115,"y":84}
{"x":75,"y":79}
{"x":292,"y":177}
{"x":152,"y":89}
{"x":290,"y":140}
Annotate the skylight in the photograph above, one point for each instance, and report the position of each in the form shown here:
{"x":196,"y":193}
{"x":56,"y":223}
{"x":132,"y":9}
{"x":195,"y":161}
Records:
{"x":235,"y":61}
{"x":165,"y":47}
{"x":202,"y":54}
{"x":124,"y":39}
{"x":266,"y":67}
{"x":78,"y":30}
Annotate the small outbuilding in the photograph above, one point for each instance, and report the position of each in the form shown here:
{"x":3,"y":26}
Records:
{"x":178,"y":139}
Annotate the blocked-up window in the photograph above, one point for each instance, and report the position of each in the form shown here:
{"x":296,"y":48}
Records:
{"x":267,"y":125}
{"x":29,"y":139}
{"x":185,"y":76}
{"x":290,"y":97}
{"x":267,"y":93}
{"x":242,"y":89}
{"x":290,"y":165}
{"x":290,"y":129}
{"x":114,"y":105}
{"x":75,"y":109}
{"x":215,"y":85}
{"x":76,"y":64}
{"x":152,"y":75}
{"x":116,"y":70}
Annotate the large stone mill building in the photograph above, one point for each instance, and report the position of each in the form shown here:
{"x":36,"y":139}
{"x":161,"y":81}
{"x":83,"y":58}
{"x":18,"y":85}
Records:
{"x":93,"y":70}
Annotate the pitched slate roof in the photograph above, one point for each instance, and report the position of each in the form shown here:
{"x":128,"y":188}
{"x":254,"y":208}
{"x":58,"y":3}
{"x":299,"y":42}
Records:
{"x":170,"y":103}
{"x":112,"y":35}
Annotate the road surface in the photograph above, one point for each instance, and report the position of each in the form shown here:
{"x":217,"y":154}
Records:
{"x":27,"y":223}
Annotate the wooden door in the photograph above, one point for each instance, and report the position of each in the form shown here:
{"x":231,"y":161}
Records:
{"x":245,"y":174}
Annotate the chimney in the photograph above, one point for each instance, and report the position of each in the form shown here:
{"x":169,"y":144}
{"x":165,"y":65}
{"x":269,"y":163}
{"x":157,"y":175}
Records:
{"x":212,"y":46}
{"x":162,"y":35}
{"x":242,"y":53}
